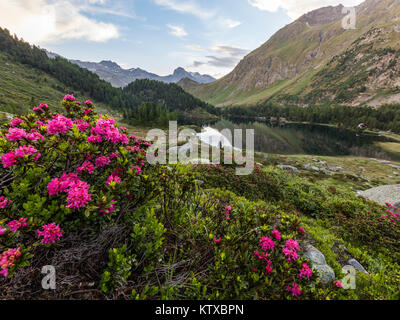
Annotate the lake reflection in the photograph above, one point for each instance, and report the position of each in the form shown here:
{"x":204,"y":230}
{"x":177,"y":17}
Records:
{"x":297,"y":138}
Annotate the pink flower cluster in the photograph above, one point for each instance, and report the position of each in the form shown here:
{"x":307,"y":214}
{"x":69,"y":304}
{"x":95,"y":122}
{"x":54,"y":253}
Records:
{"x":302,"y":230}
{"x":15,"y":122}
{"x":35,"y":136}
{"x":59,"y":124}
{"x":305,"y":271}
{"x":69,"y":97}
{"x":15,"y":134}
{"x":290,"y":250}
{"x":294,"y":289}
{"x":228,"y":212}
{"x":7,"y":260}
{"x":338,"y":284}
{"x":276,"y":234}
{"x":113,"y":179}
{"x":82,"y":125}
{"x":51,"y":233}
{"x":41,"y":108}
{"x":102,"y":161}
{"x":105,"y":129}
{"x":77,"y":191}
{"x":9,"y":159}
{"x":15,"y":225}
{"x":393,"y":214}
{"x":110,"y":208}
{"x":86,"y":166}
{"x":2,"y":230}
{"x":267,"y":244}
{"x":217,"y":241}
{"x":4,"y":202}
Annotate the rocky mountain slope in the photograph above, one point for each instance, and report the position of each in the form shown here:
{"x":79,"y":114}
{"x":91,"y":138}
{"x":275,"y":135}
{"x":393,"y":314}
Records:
{"x":314,"y":60}
{"x":119,"y":77}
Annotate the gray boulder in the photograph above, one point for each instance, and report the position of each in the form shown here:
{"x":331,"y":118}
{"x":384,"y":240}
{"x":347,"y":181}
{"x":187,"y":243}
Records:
{"x":314,"y":255}
{"x":318,"y":263}
{"x":289,"y":168}
{"x":326,"y":273}
{"x":383,"y":194}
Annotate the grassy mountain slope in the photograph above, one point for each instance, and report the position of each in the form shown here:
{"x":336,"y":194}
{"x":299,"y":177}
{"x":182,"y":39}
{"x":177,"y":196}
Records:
{"x":309,"y":52}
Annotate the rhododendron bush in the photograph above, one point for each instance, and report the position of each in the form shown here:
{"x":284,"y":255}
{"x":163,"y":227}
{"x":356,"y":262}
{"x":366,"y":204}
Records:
{"x":77,"y":193}
{"x":60,"y":172}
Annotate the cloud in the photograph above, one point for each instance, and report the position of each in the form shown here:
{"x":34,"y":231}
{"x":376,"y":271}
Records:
{"x":233,"y":51}
{"x":231,"y":23}
{"x":47,"y":21}
{"x":222,"y":62}
{"x":296,"y":8}
{"x":194,"y":47}
{"x":187,"y":6}
{"x":177,"y":31}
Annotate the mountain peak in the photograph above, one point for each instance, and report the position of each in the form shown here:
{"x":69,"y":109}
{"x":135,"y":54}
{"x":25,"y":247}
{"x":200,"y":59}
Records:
{"x":110,"y":64}
{"x":323,"y":16}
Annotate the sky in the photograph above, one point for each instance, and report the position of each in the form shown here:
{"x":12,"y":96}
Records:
{"x":206,"y":36}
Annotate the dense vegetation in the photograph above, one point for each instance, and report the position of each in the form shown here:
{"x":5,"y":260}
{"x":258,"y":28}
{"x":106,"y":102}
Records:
{"x":386,"y":117}
{"x":77,"y":193}
{"x":84,"y":82}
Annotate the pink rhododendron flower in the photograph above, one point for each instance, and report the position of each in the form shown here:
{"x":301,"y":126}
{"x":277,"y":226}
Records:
{"x":338,"y":284}
{"x":4,"y":202}
{"x":290,"y":250}
{"x":102,"y":161}
{"x":15,"y":134}
{"x":217,"y":241}
{"x":267,"y":244}
{"x":302,"y":230}
{"x":95,"y":139}
{"x":41,"y":108}
{"x":23,"y":151}
{"x":7,"y":260}
{"x":276,"y":234}
{"x":51,"y":233}
{"x":58,"y":185}
{"x":268,"y":269}
{"x":87,"y":111}
{"x":8,"y":160}
{"x":86,"y":166}
{"x":138,"y":170}
{"x":82,"y":125}
{"x":290,"y":255}
{"x":110,"y":209}
{"x":15,"y":122}
{"x":106,"y":129}
{"x":261,"y":255}
{"x":35,"y":136}
{"x":69,"y":97}
{"x":292,"y":244}
{"x":2,"y":230}
{"x":89,"y":103}
{"x":78,"y":195}
{"x":59,"y":124}
{"x":305,"y":271}
{"x":294,"y":289}
{"x":15,"y":225}
{"x":112,"y":179}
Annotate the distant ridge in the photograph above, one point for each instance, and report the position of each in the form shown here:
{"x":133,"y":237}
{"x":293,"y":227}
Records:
{"x":119,"y":77}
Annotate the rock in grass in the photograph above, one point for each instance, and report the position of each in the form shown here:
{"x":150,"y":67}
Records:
{"x":289,"y":168}
{"x":318,"y":262}
{"x":383,"y":194}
